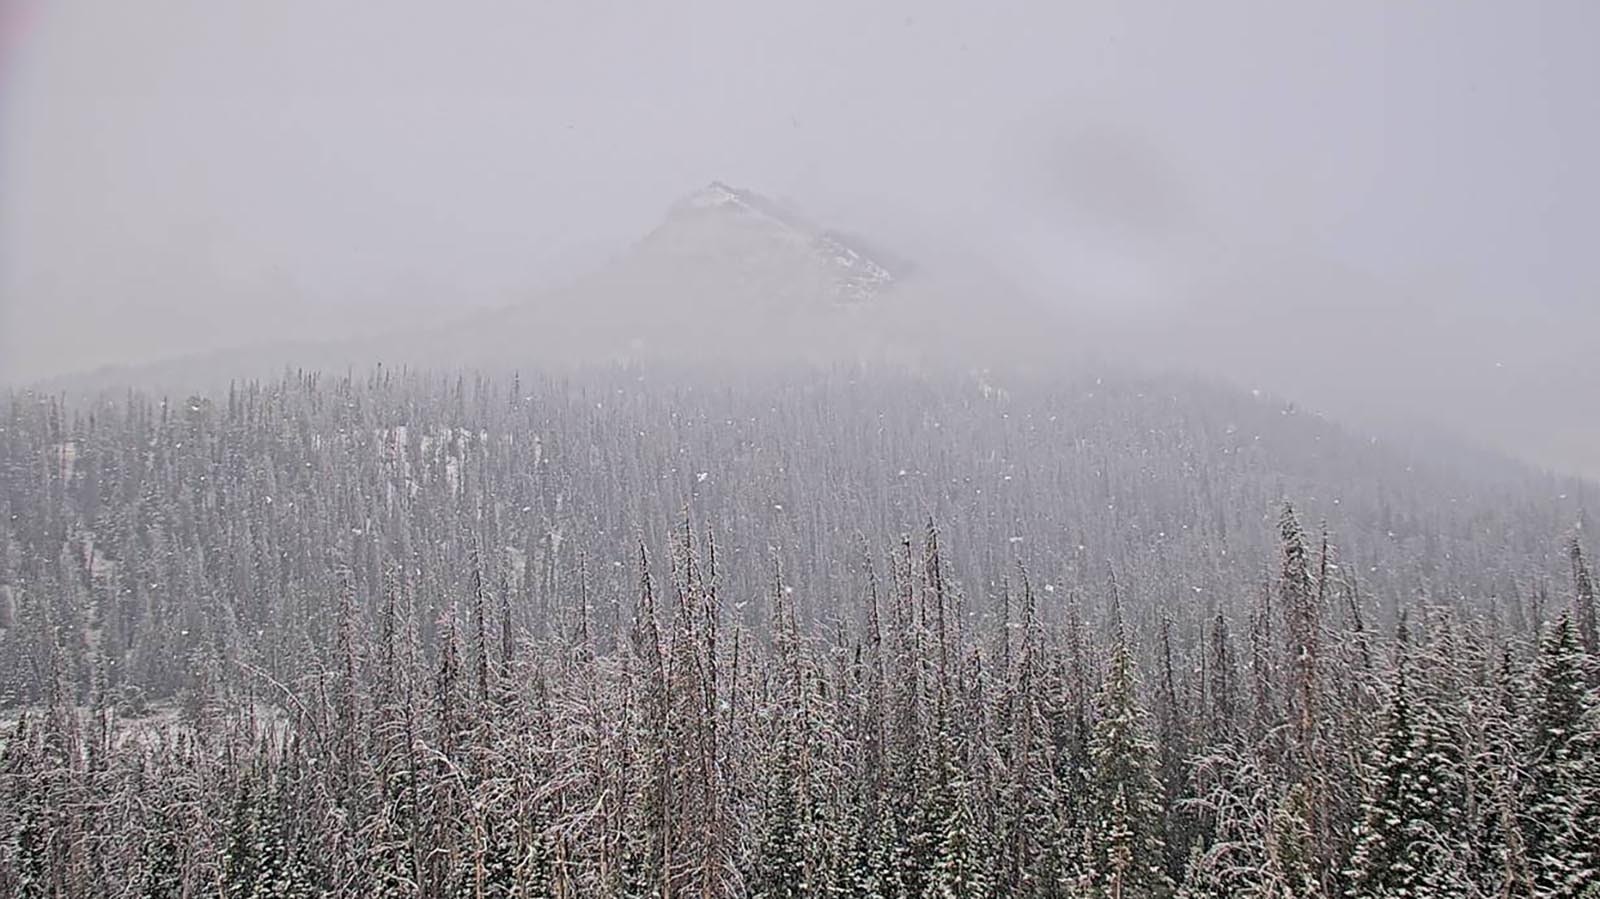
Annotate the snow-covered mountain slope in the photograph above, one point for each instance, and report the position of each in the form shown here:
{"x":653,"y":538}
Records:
{"x":727,"y":277}
{"x":748,"y":231}
{"x":731,"y":276}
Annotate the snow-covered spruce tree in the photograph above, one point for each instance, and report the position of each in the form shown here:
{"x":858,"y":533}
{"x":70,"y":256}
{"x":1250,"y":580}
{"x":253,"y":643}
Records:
{"x":163,"y":857}
{"x":532,"y":877}
{"x":781,"y":870}
{"x":1294,"y":866}
{"x":1070,"y":736}
{"x":1500,"y":866}
{"x":24,"y":841}
{"x":701,"y":861}
{"x":444,"y":808}
{"x":932,"y":805}
{"x":1353,"y":698}
{"x":283,"y":867}
{"x":867,"y":867}
{"x":1030,"y":827}
{"x":1222,"y":683}
{"x":496,"y":877}
{"x":241,"y":865}
{"x":886,"y":863}
{"x":1298,"y":603}
{"x":962,"y":859}
{"x":1172,"y":733}
{"x":31,"y":849}
{"x":1563,"y":802}
{"x":390,"y":837}
{"x":647,"y":827}
{"x":1124,"y":853}
{"x":903,"y":840}
{"x":1583,"y":603}
{"x":1265,"y":712}
{"x":1407,"y":845}
{"x":390,"y":874}
{"x":853,"y":875}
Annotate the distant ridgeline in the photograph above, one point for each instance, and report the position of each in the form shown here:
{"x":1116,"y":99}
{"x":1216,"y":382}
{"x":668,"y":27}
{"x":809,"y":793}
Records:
{"x":623,"y":634}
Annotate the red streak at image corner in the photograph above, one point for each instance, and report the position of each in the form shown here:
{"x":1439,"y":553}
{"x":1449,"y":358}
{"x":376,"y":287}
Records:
{"x":13,"y":16}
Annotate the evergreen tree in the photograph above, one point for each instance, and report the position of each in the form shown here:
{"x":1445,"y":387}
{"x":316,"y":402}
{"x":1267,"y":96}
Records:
{"x":389,"y":864}
{"x":283,"y":869}
{"x":1405,"y":847}
{"x":1584,"y":603}
{"x":163,"y":873}
{"x":886,"y":866}
{"x":960,"y":868}
{"x":782,"y":870}
{"x":501,"y":861}
{"x":1499,"y":862}
{"x":1125,"y":853}
{"x":781,"y":866}
{"x":532,"y":876}
{"x":1563,"y":821}
{"x":31,"y":851}
{"x":242,"y":862}
{"x":1295,"y":868}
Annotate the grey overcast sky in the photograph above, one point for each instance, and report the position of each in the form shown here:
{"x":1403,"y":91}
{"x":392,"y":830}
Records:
{"x":1381,"y":208}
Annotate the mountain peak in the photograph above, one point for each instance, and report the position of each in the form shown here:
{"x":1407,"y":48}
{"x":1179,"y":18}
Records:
{"x":713,"y":195}
{"x":853,"y":275}
{"x":719,"y":195}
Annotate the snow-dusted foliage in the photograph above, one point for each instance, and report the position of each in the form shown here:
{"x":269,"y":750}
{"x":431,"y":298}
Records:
{"x":846,"y":635}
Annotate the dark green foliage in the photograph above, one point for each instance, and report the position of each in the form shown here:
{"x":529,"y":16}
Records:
{"x":1126,"y":850}
{"x":1563,"y":802}
{"x":1407,"y":845}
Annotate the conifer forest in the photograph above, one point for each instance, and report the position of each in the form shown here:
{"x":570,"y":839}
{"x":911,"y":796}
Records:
{"x":846,"y":634}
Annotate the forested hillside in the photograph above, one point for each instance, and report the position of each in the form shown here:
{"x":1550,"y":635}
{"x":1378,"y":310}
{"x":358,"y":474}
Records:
{"x":636,"y":633}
